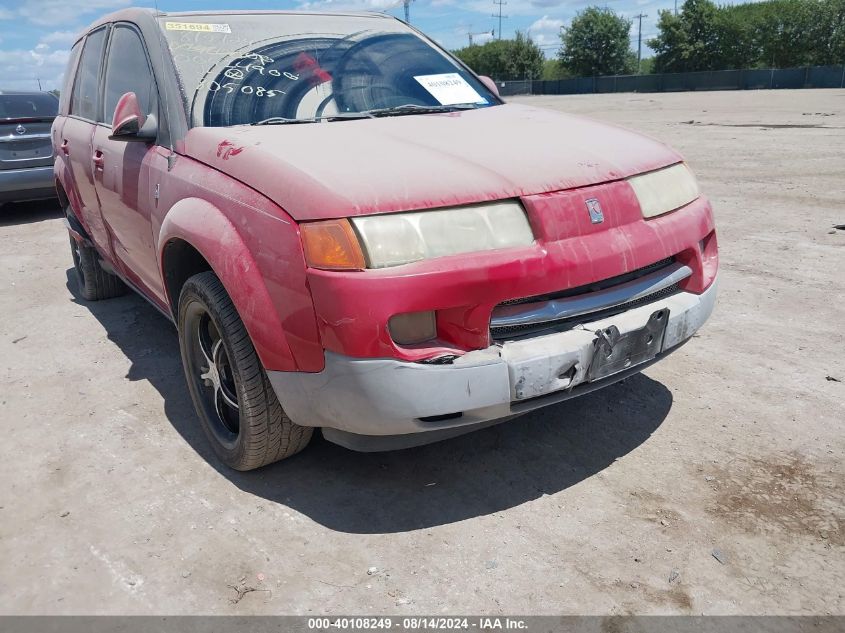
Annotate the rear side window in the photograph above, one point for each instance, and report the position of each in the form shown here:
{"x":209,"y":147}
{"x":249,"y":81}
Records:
{"x":128,"y":71}
{"x":67,"y":84}
{"x":83,"y":103}
{"x":34,"y":106}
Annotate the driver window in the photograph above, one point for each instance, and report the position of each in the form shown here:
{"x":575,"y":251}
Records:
{"x":127,"y":71}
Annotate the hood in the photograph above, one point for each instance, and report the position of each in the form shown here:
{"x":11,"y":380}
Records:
{"x":359,"y":167}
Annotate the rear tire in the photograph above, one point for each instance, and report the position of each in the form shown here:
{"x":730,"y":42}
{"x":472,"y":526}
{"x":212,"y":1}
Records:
{"x":94,"y":282}
{"x":238,"y":409}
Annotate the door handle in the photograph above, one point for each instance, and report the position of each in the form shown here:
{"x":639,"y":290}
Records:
{"x":98,"y":160}
{"x":64,"y":147}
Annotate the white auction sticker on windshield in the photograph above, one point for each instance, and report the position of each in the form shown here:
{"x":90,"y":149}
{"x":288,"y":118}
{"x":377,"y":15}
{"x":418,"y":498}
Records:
{"x":198,"y":27}
{"x":450,"y":89}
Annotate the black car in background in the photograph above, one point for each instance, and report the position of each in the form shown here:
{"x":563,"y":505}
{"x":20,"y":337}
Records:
{"x":26,"y":154}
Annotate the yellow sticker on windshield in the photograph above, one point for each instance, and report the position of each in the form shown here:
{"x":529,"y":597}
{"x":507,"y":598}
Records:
{"x":197,"y":26}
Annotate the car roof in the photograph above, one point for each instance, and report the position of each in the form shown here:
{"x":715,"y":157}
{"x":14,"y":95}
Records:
{"x":369,"y":14}
{"x":26,"y":92}
{"x":133,"y":14}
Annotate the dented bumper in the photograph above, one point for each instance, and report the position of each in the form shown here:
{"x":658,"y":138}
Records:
{"x":384,"y":404}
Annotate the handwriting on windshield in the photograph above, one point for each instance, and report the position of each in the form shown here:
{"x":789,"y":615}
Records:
{"x":240,"y":72}
{"x":229,"y":88}
{"x":244,"y":66}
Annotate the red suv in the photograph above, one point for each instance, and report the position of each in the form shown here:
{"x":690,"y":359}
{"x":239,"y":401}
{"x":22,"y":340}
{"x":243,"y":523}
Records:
{"x":352,"y":231}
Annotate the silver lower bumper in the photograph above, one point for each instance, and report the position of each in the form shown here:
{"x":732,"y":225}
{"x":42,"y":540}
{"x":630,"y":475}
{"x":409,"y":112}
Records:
{"x":34,"y":183}
{"x":382,"y":404}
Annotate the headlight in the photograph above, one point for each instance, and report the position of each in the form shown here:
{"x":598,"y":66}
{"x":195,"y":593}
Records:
{"x":665,"y":190}
{"x":401,"y":238}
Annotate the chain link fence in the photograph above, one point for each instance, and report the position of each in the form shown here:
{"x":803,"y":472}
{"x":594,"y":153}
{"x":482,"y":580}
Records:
{"x":748,"y":79}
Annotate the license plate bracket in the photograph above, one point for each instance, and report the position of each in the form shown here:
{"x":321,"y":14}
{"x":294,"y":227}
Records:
{"x":616,"y":352}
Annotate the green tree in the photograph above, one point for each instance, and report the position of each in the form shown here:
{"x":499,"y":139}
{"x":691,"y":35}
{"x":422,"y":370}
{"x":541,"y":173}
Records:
{"x":689,"y":41}
{"x":519,"y":58}
{"x":778,"y":33}
{"x":836,"y":18}
{"x":528,"y":58}
{"x":799,"y":32}
{"x":671,"y":44}
{"x":737,"y":37}
{"x":597,"y":43}
{"x":552,"y":70}
{"x":647,"y":65}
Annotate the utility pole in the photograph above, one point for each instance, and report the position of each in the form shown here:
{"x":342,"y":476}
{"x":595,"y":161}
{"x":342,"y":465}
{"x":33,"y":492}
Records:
{"x":500,"y":4}
{"x":640,"y":40}
{"x":407,"y":10}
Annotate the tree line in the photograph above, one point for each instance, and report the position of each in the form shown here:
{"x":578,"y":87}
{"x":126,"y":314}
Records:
{"x":519,"y":58}
{"x":772,"y":34}
{"x":702,"y":36}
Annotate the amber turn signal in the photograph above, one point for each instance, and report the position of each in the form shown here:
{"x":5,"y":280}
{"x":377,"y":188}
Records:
{"x":332,"y":245}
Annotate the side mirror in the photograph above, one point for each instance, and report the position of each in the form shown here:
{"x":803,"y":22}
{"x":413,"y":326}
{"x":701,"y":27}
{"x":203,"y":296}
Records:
{"x":129,"y":123}
{"x":490,"y":84}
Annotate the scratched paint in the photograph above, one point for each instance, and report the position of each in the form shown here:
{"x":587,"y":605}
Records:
{"x":227,"y":149}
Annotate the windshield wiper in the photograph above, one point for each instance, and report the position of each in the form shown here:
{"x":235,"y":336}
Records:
{"x":279,"y":120}
{"x":411,"y":108}
{"x":341,"y":116}
{"x":402,"y":110}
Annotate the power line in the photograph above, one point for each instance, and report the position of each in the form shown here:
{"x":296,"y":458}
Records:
{"x":500,"y":4}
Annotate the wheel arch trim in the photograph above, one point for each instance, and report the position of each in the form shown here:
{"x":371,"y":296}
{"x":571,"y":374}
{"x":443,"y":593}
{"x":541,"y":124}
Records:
{"x":206,"y":229}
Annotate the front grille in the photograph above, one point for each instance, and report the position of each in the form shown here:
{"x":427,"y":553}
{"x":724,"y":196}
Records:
{"x":594,"y":287}
{"x":512,"y":332}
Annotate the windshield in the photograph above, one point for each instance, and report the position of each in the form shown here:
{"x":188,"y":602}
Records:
{"x":240,"y":69}
{"x":28,"y":106}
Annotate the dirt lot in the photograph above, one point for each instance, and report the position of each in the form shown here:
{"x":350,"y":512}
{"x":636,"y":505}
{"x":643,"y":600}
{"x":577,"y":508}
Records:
{"x":614,"y":503}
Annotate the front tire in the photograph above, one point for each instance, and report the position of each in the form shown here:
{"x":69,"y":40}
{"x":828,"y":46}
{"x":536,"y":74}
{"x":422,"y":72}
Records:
{"x":238,"y":409}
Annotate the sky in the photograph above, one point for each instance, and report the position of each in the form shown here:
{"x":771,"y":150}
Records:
{"x":35,"y":35}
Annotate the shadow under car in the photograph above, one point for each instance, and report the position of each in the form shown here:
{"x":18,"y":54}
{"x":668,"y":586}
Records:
{"x":540,"y":453}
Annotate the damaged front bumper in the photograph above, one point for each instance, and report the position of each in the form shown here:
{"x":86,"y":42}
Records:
{"x":385,"y":404}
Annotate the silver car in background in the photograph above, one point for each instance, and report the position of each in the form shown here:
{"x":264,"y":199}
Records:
{"x":26,"y":153}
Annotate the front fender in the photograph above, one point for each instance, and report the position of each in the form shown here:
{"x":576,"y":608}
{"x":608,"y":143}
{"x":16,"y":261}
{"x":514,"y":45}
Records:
{"x":209,"y":231}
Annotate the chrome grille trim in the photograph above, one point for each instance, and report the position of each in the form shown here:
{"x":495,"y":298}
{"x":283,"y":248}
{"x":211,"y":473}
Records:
{"x":538,"y":313}
{"x":594,"y":287}
{"x":14,"y":138}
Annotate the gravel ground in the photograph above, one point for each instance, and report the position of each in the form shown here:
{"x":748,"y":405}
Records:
{"x":714,"y":483}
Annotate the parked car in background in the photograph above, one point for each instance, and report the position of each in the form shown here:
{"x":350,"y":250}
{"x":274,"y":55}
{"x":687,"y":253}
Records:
{"x":353,"y":232}
{"x":26,"y":154}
